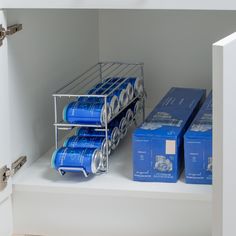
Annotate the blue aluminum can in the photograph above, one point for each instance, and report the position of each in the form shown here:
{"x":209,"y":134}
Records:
{"x":130,"y":91}
{"x":94,"y":91}
{"x":129,"y":117}
{"x":102,"y":86}
{"x":88,"y":142}
{"x":119,"y":93}
{"x":86,"y":113}
{"x":136,"y":106}
{"x":123,"y":91}
{"x":112,"y":99}
{"x":99,"y":85}
{"x":121,"y":123}
{"x":114,"y":83}
{"x":125,"y":84}
{"x":89,"y":159}
{"x":136,"y":82}
{"x":122,"y":96}
{"x":120,"y":90}
{"x":113,"y":134}
{"x":121,"y":84}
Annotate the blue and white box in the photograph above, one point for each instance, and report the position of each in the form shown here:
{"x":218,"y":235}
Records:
{"x":198,"y":146}
{"x":158,"y":142}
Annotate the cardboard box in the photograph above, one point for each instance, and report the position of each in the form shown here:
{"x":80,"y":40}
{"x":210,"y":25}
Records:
{"x":198,"y":146}
{"x":158,"y":142}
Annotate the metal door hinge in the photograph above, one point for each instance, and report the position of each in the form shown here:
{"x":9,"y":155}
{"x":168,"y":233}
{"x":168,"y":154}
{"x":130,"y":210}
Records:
{"x":6,"y":172}
{"x":9,"y":31}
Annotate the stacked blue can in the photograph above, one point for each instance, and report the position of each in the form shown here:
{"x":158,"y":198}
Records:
{"x":70,"y":159}
{"x":91,"y":108}
{"x":88,"y":148}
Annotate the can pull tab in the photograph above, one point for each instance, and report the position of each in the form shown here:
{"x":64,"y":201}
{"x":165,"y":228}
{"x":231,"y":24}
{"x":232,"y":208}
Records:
{"x":63,"y":170}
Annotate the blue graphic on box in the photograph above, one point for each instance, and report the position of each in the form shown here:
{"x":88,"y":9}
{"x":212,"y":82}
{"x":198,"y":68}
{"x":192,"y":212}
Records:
{"x":158,"y":142}
{"x":163,"y":164}
{"x":198,"y":146}
{"x":161,"y":119}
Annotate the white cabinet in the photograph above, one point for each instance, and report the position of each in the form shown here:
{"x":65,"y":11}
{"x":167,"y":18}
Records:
{"x":54,"y":47}
{"x":224,"y":115}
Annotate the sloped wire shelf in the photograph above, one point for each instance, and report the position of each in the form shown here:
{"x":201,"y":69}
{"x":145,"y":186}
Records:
{"x":78,"y":87}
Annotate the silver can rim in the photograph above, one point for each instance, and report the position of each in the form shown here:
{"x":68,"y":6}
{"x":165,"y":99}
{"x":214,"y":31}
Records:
{"x":96,"y":163}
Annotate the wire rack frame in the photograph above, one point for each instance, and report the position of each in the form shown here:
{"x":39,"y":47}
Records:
{"x":100,"y":72}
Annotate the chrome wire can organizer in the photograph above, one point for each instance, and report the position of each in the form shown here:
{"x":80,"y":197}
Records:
{"x":99,"y":91}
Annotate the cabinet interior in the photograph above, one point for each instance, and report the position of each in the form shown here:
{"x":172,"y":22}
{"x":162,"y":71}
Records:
{"x":57,"y":45}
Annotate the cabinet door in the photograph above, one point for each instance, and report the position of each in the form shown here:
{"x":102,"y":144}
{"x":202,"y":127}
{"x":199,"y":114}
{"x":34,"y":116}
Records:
{"x":5,"y":193}
{"x":224,"y":118}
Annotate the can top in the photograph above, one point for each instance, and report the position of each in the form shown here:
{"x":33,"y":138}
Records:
{"x":115,"y":137}
{"x":103,"y":114}
{"x":64,"y":112}
{"x":96,"y":161}
{"x":53,"y":158}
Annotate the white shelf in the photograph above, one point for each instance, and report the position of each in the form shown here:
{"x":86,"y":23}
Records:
{"x":122,"y":4}
{"x":39,"y":177}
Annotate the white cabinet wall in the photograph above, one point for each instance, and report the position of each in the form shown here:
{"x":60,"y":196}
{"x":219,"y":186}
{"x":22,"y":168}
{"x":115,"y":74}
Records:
{"x":54,"y":47}
{"x":176,"y":46}
{"x":69,"y":36}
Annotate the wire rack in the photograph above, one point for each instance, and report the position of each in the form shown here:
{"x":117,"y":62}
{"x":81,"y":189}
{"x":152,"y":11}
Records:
{"x":78,"y":87}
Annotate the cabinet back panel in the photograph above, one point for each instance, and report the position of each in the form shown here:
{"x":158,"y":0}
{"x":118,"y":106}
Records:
{"x":53,"y":48}
{"x":176,"y":46}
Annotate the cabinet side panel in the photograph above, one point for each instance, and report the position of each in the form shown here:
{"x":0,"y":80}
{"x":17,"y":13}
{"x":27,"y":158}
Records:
{"x":224,"y":116}
{"x":217,"y":139}
{"x":229,"y":131}
{"x":54,"y":47}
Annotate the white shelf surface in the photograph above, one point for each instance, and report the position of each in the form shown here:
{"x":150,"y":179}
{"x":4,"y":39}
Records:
{"x":122,"y":4}
{"x":39,"y":177}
